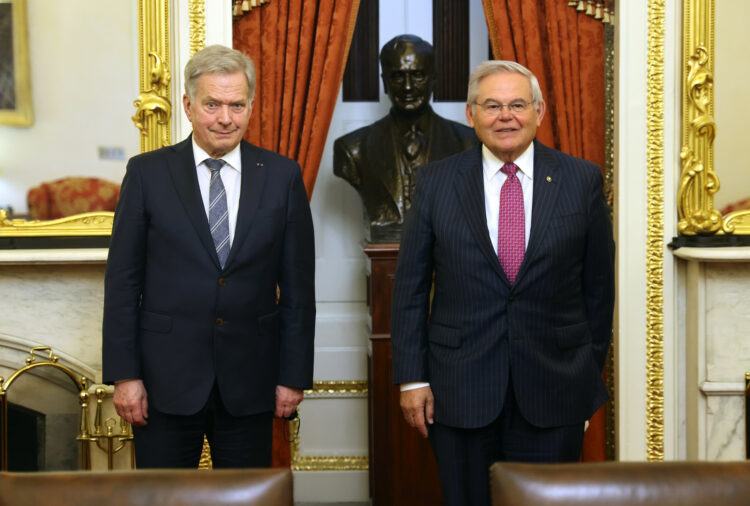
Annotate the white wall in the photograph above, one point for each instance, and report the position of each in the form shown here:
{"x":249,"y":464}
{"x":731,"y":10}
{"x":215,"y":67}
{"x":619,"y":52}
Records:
{"x":84,"y":78}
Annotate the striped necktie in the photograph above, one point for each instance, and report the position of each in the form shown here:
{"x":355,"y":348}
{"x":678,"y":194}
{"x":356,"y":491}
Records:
{"x":218,"y":216}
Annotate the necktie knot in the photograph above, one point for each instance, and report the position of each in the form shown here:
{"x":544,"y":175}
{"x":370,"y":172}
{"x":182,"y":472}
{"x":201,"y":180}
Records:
{"x":214,"y":164}
{"x":509,"y":169}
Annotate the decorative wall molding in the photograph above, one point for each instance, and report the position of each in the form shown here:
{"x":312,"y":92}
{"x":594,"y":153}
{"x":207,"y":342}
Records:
{"x":655,"y":234}
{"x":698,"y":180}
{"x":153,"y":116}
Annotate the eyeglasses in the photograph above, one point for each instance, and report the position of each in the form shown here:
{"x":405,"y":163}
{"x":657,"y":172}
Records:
{"x":492,"y":108}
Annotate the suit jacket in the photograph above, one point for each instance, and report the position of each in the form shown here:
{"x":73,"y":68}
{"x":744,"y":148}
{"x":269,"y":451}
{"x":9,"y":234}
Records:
{"x":547,"y":335}
{"x":174,"y":318}
{"x":366,"y":158}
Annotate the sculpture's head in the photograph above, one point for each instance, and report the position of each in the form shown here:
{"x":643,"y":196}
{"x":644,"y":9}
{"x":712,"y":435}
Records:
{"x":408,"y":65}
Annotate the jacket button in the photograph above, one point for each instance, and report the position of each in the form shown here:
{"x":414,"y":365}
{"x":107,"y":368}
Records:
{"x":511,"y":299}
{"x":222,"y":281}
{"x":219,"y":322}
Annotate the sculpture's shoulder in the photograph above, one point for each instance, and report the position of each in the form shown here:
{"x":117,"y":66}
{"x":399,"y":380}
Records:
{"x":451,"y":136}
{"x":354,"y":141}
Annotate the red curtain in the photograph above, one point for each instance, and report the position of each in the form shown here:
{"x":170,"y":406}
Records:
{"x":299,"y":48}
{"x":565,"y":50}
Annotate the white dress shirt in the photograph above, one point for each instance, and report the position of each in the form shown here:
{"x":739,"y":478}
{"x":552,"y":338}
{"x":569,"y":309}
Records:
{"x":231,"y":175}
{"x":493,"y":182}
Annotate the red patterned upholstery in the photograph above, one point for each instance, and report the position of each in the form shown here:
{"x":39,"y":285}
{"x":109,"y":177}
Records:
{"x":72,"y":195}
{"x":736,"y":206}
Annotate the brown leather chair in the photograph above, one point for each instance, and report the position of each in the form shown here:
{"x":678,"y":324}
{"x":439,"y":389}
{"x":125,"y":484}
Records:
{"x":266,"y":487}
{"x":621,"y":483}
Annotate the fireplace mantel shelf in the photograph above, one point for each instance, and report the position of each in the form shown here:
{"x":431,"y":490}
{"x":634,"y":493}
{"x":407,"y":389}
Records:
{"x":53,"y":256}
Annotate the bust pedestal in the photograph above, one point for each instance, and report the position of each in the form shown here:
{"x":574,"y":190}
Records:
{"x":403,"y":470}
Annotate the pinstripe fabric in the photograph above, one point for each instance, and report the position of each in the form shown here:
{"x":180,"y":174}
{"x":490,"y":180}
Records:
{"x":549,"y":331}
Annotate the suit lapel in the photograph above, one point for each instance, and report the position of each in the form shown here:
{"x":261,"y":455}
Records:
{"x":251,"y":186}
{"x":182,"y":170}
{"x":470,"y":190}
{"x":546,"y":189}
{"x":390,"y":178}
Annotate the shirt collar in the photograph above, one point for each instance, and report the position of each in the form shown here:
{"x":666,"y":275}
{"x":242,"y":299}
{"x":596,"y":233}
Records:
{"x":232,"y":159}
{"x":492,"y":164}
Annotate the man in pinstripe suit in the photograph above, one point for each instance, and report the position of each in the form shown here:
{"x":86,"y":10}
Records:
{"x":505,"y":362}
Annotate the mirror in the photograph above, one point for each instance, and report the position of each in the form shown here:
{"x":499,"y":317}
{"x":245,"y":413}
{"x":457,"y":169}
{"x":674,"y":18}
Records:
{"x":84,"y":82}
{"x":698,"y":205}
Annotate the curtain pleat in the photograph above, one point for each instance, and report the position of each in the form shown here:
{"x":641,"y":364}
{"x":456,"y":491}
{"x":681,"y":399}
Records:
{"x":299,"y":48}
{"x":565,"y":50}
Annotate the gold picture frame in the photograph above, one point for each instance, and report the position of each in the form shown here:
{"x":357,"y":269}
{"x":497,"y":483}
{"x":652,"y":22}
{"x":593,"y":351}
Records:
{"x":153,"y":117}
{"x":15,"y":77}
{"x":698,"y":180}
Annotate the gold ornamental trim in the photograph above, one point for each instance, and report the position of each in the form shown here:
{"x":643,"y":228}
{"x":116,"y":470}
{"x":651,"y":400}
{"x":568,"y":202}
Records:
{"x":197,"y":22}
{"x":335,"y":463}
{"x":153,"y":116}
{"x":338,"y":388}
{"x":79,"y":225}
{"x":698,"y":180}
{"x":335,"y":388}
{"x":22,"y":114}
{"x":655,"y":234}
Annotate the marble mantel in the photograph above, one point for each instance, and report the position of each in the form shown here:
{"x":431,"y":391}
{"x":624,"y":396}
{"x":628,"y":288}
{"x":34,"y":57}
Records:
{"x":717,"y":350}
{"x":54,"y":297}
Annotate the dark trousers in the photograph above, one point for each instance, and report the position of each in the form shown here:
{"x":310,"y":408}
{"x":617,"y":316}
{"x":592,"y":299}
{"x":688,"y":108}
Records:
{"x":176,"y":441}
{"x":465,"y":455}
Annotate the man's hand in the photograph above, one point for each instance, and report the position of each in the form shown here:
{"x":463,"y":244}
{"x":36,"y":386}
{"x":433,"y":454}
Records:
{"x":131,"y":402}
{"x":287,"y":399}
{"x":418,"y":406}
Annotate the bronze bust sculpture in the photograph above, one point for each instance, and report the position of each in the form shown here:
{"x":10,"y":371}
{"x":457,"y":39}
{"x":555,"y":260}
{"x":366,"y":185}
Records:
{"x":381,"y":160}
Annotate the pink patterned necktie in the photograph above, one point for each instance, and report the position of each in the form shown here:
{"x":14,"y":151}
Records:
{"x":511,"y":230}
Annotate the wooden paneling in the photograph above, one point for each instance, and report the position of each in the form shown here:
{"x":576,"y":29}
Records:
{"x":403,"y":471}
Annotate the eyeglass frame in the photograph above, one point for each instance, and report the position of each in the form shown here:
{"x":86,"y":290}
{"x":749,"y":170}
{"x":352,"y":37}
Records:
{"x":489,"y":102}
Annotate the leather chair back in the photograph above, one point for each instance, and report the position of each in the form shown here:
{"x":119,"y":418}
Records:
{"x":621,"y":483}
{"x":266,"y":487}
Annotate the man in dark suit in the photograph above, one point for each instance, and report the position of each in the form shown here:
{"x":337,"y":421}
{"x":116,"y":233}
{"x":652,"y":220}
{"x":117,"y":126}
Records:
{"x":381,"y":160}
{"x":505,"y":361}
{"x":194,"y":337}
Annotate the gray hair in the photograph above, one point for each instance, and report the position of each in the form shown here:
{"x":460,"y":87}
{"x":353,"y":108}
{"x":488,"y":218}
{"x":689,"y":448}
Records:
{"x":488,"y":68}
{"x":218,"y":59}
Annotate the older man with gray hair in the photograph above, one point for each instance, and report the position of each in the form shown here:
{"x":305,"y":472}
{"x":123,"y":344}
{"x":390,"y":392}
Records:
{"x":195,"y":338}
{"x":503,"y":294}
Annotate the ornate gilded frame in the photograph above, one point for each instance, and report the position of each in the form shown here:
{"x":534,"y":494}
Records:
{"x":153,"y":117}
{"x":655,"y":233}
{"x":22,"y":114}
{"x":698,"y":180}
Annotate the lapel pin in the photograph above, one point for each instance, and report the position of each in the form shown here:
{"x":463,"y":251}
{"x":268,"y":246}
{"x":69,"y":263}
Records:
{"x":549,"y":179}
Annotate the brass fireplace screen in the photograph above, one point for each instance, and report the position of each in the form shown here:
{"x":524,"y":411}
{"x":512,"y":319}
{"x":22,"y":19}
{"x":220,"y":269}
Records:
{"x":110,"y":435}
